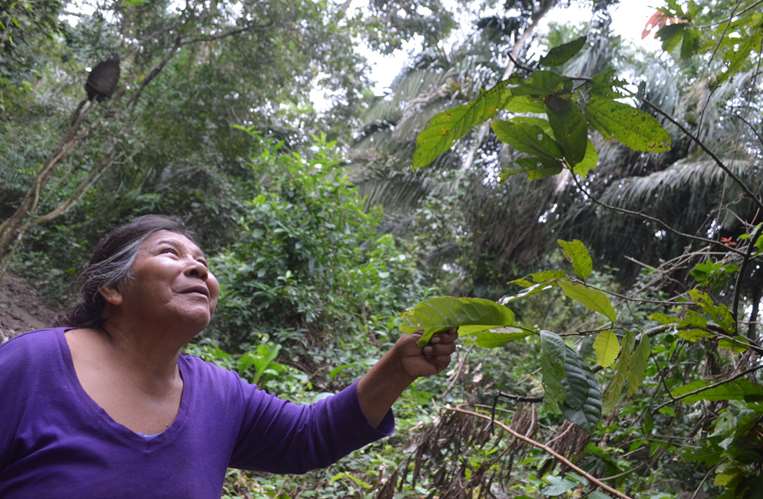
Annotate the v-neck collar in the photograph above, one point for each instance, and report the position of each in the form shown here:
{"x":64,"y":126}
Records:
{"x":103,"y":421}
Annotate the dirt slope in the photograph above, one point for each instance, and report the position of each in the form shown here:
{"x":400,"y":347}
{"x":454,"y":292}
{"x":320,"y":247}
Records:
{"x":21,"y":308}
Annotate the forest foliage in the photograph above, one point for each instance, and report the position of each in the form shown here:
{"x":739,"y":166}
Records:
{"x":586,"y":212}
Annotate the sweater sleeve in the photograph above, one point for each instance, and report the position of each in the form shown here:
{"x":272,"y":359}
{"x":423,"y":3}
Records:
{"x":281,"y":437}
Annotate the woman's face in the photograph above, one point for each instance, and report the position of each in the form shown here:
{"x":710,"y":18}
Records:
{"x":170,"y":281}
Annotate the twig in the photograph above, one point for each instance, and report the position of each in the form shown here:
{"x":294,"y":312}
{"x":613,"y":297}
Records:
{"x":702,"y":482}
{"x":741,"y":13}
{"x":752,"y":128}
{"x":593,"y":480}
{"x":708,"y":387}
{"x":520,"y":65}
{"x":638,"y":300}
{"x":740,"y":275}
{"x":702,"y":146}
{"x":712,"y":56}
{"x":225,"y":34}
{"x":648,"y":217}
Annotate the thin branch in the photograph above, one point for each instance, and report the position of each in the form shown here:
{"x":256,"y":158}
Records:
{"x":741,"y":13}
{"x":154,"y":72}
{"x":593,"y":480}
{"x":225,"y":34}
{"x":712,"y":56}
{"x":637,"y":300}
{"x":518,"y":64}
{"x":740,"y":275}
{"x":702,"y":146}
{"x":708,"y":387}
{"x":751,"y":127}
{"x":519,"y":398}
{"x":649,"y":217}
{"x":82,"y":188}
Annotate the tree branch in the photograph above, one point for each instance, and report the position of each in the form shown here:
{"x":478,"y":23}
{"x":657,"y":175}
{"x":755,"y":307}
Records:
{"x":740,"y":275}
{"x":593,"y":480}
{"x":708,"y":387}
{"x":702,"y":146}
{"x":225,"y":34}
{"x":82,"y":188}
{"x":649,"y":217}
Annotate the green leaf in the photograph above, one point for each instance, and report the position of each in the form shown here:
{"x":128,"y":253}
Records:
{"x":568,"y":384}
{"x":576,"y":253}
{"x":671,"y":35}
{"x":441,"y":313}
{"x":569,"y":126}
{"x":592,"y":299}
{"x":582,"y":401}
{"x":450,"y":125}
{"x":499,"y":337}
{"x":563,"y":53}
{"x":543,"y":83}
{"x":536,"y":168}
{"x":525,"y":104}
{"x":638,"y":365}
{"x":614,"y":390}
{"x":552,"y":349}
{"x":632,"y":127}
{"x":736,"y":56}
{"x":589,"y":162}
{"x":527,"y":138}
{"x":739,"y":389}
{"x":693,"y":335}
{"x":597,"y":494}
{"x":343,"y":475}
{"x":690,"y":43}
{"x":606,"y":348}
{"x":557,"y":486}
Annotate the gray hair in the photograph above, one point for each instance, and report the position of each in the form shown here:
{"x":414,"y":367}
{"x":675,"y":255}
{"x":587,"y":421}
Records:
{"x":111,"y":265}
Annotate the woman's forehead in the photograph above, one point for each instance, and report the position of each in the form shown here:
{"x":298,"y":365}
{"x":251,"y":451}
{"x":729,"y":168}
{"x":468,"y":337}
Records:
{"x":174,"y":238}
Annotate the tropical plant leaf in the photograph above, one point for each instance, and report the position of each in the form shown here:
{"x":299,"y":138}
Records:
{"x":567,"y":382}
{"x":441,"y":313}
{"x":582,"y":403}
{"x":739,"y":389}
{"x":630,"y":126}
{"x":569,"y":126}
{"x":589,"y":162}
{"x":592,"y":299}
{"x":527,"y":138}
{"x":543,"y":83}
{"x":614,"y":390}
{"x":525,"y":104}
{"x":552,"y":349}
{"x":577,"y":254}
{"x":499,"y":337}
{"x":563,"y":53}
{"x":450,"y":125}
{"x":557,"y":486}
{"x":638,"y":364}
{"x":606,"y":347}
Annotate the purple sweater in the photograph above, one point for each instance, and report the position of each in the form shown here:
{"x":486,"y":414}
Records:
{"x":55,"y":441}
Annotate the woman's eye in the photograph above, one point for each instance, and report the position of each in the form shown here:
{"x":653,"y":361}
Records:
{"x":169,"y":250}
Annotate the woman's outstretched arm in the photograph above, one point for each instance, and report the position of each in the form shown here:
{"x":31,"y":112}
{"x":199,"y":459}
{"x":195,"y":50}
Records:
{"x":398,"y":368}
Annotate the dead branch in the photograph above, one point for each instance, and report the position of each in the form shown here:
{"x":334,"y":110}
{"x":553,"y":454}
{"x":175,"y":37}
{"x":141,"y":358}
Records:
{"x":593,"y":480}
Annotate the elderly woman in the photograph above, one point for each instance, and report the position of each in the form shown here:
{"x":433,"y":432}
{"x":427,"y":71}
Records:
{"x":110,"y":407}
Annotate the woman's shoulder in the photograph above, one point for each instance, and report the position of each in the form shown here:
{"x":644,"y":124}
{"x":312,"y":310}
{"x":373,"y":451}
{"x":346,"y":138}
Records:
{"x":199,"y":367}
{"x":33,"y":341}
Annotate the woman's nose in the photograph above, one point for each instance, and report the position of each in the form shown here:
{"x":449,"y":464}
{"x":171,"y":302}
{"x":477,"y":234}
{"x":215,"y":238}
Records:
{"x":197,"y":269}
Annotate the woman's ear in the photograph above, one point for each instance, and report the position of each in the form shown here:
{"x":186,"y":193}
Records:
{"x":111,"y":296}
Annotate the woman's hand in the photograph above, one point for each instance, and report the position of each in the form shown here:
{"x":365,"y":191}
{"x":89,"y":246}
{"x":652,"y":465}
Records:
{"x":431,"y":359}
{"x":398,"y":368}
